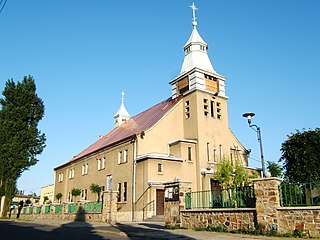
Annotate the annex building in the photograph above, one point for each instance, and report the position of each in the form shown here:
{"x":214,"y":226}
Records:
{"x":183,"y":137}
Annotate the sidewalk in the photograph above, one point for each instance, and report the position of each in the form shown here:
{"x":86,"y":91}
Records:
{"x":154,"y":230}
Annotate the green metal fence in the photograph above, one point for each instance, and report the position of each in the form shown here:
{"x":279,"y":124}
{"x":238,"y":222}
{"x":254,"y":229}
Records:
{"x":225,"y":198}
{"x":299,"y":194}
{"x":38,"y":210}
{"x":72,"y":208}
{"x":93,"y":207}
{"x":58,"y":209}
{"x":47,"y":209}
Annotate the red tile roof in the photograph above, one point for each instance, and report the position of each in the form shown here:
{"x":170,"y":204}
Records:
{"x":130,"y":128}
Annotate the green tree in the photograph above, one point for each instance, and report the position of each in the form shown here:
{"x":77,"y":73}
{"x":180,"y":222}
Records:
{"x":95,"y":188}
{"x":224,"y":173}
{"x":45,"y":199}
{"x":20,"y":139}
{"x":240,"y":175}
{"x":75,"y":192}
{"x":300,"y":155}
{"x":59,"y":196}
{"x":275,"y":169}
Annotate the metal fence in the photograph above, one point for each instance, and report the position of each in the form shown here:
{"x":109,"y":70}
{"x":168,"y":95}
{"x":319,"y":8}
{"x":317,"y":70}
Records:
{"x":299,"y":194}
{"x":240,"y":197}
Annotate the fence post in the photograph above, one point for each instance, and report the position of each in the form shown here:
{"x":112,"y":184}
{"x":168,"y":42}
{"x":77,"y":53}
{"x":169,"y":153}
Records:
{"x":110,"y":205}
{"x":266,"y":191}
{"x":175,"y":199}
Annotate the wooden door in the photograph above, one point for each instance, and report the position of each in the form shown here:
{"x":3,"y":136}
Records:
{"x":159,"y":202}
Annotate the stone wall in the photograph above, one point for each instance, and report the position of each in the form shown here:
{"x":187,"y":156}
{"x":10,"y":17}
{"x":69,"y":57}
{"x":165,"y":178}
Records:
{"x":266,"y":191}
{"x":88,"y":217}
{"x":267,"y":215}
{"x":229,"y":218}
{"x":306,"y":219}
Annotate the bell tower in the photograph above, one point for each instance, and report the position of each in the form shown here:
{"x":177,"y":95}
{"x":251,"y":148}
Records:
{"x":197,"y":71}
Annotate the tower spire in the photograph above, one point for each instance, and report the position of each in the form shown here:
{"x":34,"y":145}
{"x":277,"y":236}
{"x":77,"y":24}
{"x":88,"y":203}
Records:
{"x":122,"y":115}
{"x":197,"y":72}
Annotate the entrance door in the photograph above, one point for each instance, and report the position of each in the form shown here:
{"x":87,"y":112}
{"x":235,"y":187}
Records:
{"x":159,"y":202}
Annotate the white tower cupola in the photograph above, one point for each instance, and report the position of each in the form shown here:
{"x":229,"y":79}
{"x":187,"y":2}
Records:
{"x":122,"y":115}
{"x":197,"y":71}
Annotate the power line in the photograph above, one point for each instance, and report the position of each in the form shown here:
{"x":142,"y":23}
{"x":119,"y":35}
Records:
{"x":5,"y":1}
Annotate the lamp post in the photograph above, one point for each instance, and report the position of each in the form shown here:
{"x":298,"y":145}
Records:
{"x":249,"y":116}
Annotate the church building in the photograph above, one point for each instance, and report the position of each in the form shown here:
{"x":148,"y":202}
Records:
{"x":183,"y":137}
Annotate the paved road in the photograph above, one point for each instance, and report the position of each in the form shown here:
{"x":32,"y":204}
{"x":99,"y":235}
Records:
{"x":56,"y":230}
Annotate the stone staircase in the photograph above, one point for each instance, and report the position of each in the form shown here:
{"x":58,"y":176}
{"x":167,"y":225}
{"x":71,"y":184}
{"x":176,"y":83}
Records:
{"x":156,"y":218}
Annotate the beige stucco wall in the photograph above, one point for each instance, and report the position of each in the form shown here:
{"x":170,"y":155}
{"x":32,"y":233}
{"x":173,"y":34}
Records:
{"x":47,"y":191}
{"x":171,"y":136}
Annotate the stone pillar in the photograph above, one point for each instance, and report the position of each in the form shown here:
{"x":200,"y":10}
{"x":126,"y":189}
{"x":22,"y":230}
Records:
{"x":266,"y":191}
{"x":175,"y":201}
{"x":110,"y":205}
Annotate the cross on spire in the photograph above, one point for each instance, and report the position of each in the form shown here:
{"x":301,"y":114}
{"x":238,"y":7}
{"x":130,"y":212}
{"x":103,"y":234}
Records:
{"x":194,"y":18}
{"x":122,"y":96}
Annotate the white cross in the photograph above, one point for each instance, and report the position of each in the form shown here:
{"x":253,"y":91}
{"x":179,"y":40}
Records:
{"x":194,"y":8}
{"x":122,"y":96}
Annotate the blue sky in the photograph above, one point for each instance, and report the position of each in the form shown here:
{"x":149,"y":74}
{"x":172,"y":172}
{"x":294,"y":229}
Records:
{"x":82,"y":54}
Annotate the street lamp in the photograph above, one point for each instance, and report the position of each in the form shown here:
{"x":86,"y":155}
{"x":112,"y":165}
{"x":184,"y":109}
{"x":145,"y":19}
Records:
{"x":249,"y":116}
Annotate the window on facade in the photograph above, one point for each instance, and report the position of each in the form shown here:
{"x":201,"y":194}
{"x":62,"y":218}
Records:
{"x":125,"y":156}
{"x":212,"y":108}
{"x":85,"y":169}
{"x":160,"y":167}
{"x":119,"y":157}
{"x":109,"y":183}
{"x":208,"y":151}
{"x":119,"y":192}
{"x":99,"y":164}
{"x":219,"y":116}
{"x":103,"y":164}
{"x":60,"y":177}
{"x":71,"y":173}
{"x":187,"y":109}
{"x":205,"y":107}
{"x":189,"y":153}
{"x":125,"y":191}
{"x":183,"y":85}
{"x":220,"y":152}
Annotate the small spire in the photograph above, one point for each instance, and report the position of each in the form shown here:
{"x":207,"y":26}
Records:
{"x":122,"y":115}
{"x":194,"y":18}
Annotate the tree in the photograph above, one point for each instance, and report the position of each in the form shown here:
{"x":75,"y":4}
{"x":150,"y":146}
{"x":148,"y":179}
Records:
{"x":275,"y":169}
{"x":240,"y":175}
{"x":300,"y":155}
{"x":75,"y":192}
{"x":20,"y":139}
{"x":95,"y":188}
{"x":59,"y":196}
{"x":45,"y":199}
{"x":224,"y":173}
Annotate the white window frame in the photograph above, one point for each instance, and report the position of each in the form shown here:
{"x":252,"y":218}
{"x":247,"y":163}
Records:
{"x":103,"y":165}
{"x":125,"y":155}
{"x":119,"y":157}
{"x":99,"y":164}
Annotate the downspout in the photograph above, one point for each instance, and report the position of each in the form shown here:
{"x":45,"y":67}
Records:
{"x":134,"y":178}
